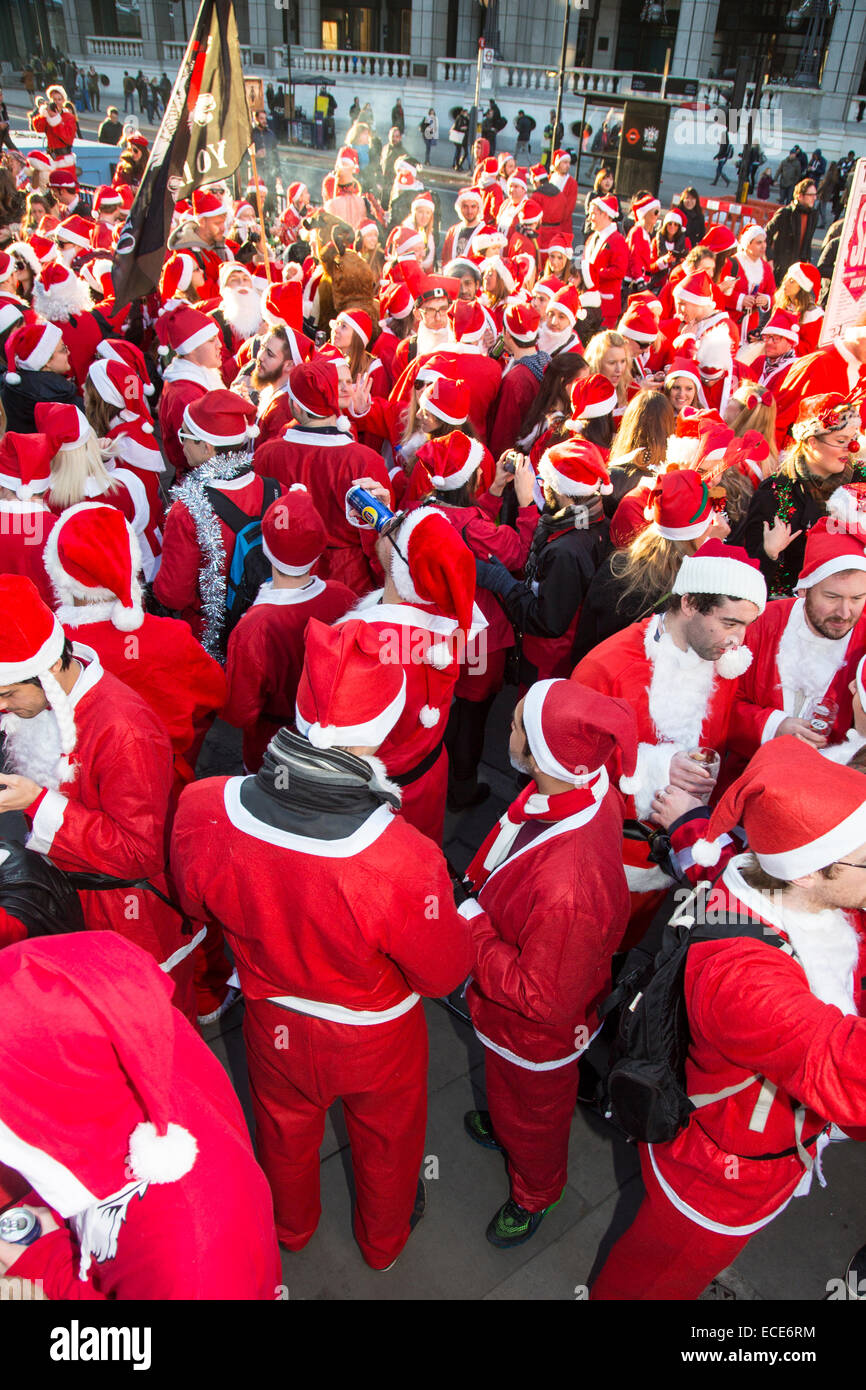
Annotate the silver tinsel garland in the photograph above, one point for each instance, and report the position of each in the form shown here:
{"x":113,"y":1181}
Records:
{"x":212,"y":576}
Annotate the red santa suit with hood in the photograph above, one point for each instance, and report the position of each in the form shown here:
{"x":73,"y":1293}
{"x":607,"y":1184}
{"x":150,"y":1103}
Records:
{"x":121,"y":1120}
{"x":103,"y":762}
{"x":792,"y":665}
{"x":777,"y":1041}
{"x":680,"y":700}
{"x":25,"y":520}
{"x":342,"y":962}
{"x":551,"y":909}
{"x":93,"y":557}
{"x":426,"y":631}
{"x":326,"y":460}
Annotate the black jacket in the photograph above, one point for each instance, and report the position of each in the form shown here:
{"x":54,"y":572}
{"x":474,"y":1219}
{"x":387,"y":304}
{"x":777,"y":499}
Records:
{"x":784,"y":245}
{"x":603,"y":614}
{"x":780,"y":574}
{"x":21,"y":398}
{"x":696,"y":223}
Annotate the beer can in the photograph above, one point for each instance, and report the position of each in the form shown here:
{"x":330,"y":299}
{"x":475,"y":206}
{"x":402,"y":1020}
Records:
{"x":374,"y":512}
{"x":19,"y":1226}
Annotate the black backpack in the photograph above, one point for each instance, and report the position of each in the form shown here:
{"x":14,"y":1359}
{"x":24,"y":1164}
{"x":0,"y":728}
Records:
{"x":249,"y":567}
{"x":643,"y":1088}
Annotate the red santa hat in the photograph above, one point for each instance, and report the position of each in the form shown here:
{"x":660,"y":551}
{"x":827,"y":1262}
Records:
{"x":136,"y":138}
{"x":801,"y":812}
{"x":574,"y":732}
{"x":92,"y":554}
{"x":608,"y":204}
{"x":684,"y":444}
{"x":86,"y":1106}
{"x":639,"y":323}
{"x":488,"y":171}
{"x":428,"y":288}
{"x":469,"y":319}
{"x":75,"y":230}
{"x":106,"y":199}
{"x":369,"y":226}
{"x":347,"y":159}
{"x":359,"y":322}
{"x":518,"y":179}
{"x":695,"y":289}
{"x":314,"y":386}
{"x":120,"y":386}
{"x":176,"y":275}
{"x":847,"y":509}
{"x":783,"y":325}
{"x":718,"y":238}
{"x":30,"y":347}
{"x":58,"y":293}
{"x":830,"y":551}
{"x":680,"y":506}
{"x":561,"y":246}
{"x":575,"y":468}
{"x":41,"y":248}
{"x":406,"y":176}
{"x":538,"y":173}
{"x":592,"y":397}
{"x":748,"y":455}
{"x":38,"y":159}
{"x":221,"y":418}
{"x":431,"y":564}
{"x":293,"y":533}
{"x":566,"y":301}
{"x":31,"y":641}
{"x":449,"y":401}
{"x":488,"y":238}
{"x":423,"y":200}
{"x":25,"y":463}
{"x":283,"y":305}
{"x":63,"y":178}
{"x":505,"y":269}
{"x":722,"y":569}
{"x":713,"y":448}
{"x":530,"y":213}
{"x":97,"y":274}
{"x":404,"y":242}
{"x":207,"y":204}
{"x":126,"y":192}
{"x":825,"y":414}
{"x":396,"y":301}
{"x":748,"y":232}
{"x":558,"y":156}
{"x":549,"y":287}
{"x":65,"y":425}
{"x":641,"y":206}
{"x":125,"y":352}
{"x":230,"y":268}
{"x":349,"y":695}
{"x":183,"y":329}
{"x":522,"y":322}
{"x":807,"y":276}
{"x":453,"y":459}
{"x":673,"y":215}
{"x":296,"y":190}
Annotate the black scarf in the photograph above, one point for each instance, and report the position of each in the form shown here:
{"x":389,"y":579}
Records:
{"x":320,"y":793}
{"x":579,"y":516}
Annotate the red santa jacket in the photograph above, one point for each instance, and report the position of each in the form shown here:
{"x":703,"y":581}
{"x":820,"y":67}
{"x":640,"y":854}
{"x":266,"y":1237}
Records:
{"x":545,"y":925}
{"x":607,"y":256}
{"x":138,"y":455}
{"x":831,"y":368}
{"x":810,"y":328}
{"x":640,"y":253}
{"x":161,"y":661}
{"x":568,"y":189}
{"x":519,"y":387}
{"x":24,"y":529}
{"x":755,"y":1012}
{"x":111,"y":816}
{"x":266,"y":657}
{"x":59,"y":129}
{"x":183,"y":383}
{"x":552,"y":201}
{"x":327,"y":461}
{"x":178,"y":583}
{"x":460,"y":231}
{"x":749,"y":279}
{"x":765,"y":697}
{"x":482,"y":374}
{"x":82,"y":334}
{"x":351,"y":936}
{"x":681,"y":702}
{"x":209,"y":1235}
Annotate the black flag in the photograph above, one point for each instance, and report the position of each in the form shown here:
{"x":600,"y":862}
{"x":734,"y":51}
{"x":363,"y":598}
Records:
{"x":204,"y":135}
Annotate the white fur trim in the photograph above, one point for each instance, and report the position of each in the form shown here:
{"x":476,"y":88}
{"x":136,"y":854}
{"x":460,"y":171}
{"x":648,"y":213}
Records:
{"x":682,"y":451}
{"x":706,"y":853}
{"x":294,"y":571}
{"x":439,"y":655}
{"x":51,"y":337}
{"x":565,"y":486}
{"x":369,"y":735}
{"x":734,"y":663}
{"x":400,"y":573}
{"x":429,"y":717}
{"x":472,"y":464}
{"x":720,"y":575}
{"x":12,"y":672}
{"x":159,"y":1158}
{"x":806,"y":663}
{"x":67,"y":588}
{"x":652,"y":772}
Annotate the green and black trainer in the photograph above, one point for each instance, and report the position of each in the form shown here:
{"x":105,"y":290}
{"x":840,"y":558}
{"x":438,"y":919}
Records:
{"x":478,"y":1127}
{"x":514,"y":1225}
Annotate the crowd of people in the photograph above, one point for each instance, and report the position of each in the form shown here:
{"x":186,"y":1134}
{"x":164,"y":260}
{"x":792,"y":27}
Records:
{"x":342,"y":479}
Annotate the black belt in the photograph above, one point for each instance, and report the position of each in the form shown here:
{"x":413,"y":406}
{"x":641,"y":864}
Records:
{"x":405,"y":779}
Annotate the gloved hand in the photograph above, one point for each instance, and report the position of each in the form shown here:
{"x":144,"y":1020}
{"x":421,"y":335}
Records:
{"x":492,"y":574}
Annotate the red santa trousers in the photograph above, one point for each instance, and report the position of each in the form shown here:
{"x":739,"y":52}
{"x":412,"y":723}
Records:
{"x":531,"y":1114}
{"x":663,"y":1255}
{"x":380,"y":1073}
{"x":423,"y":801}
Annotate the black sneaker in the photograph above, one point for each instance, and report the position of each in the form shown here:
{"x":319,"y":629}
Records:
{"x":514,"y":1225}
{"x":478,"y":1127}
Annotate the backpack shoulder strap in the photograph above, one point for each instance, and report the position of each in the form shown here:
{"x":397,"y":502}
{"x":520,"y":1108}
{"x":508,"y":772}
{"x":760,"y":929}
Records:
{"x":227,"y":511}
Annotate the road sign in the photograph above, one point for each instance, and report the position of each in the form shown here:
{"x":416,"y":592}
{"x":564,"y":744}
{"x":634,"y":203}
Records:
{"x":488,"y":55}
{"x":847,"y":297}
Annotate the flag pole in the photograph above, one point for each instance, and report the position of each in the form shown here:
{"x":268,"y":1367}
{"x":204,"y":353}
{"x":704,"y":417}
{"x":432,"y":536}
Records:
{"x":261,"y":210}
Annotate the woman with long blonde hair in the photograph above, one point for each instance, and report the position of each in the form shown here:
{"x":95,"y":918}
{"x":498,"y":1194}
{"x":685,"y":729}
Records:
{"x":79,"y":471}
{"x":607,"y":354}
{"x":753,"y":407}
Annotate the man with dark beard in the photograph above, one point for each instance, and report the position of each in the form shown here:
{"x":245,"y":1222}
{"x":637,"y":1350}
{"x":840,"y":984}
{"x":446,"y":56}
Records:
{"x":270,"y":379}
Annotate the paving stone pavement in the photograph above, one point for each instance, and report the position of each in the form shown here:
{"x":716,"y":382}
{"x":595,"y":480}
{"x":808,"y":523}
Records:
{"x":447,"y":1256}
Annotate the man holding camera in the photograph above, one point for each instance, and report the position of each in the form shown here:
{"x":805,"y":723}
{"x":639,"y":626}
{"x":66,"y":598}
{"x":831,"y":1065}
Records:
{"x":58,"y":125}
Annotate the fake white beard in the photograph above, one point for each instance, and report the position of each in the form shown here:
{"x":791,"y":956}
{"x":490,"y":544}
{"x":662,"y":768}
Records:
{"x":243,"y":311}
{"x":67,"y":254}
{"x":680,"y":690}
{"x":550,"y":342}
{"x":429,"y":339}
{"x":33,"y":747}
{"x":57,"y":305}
